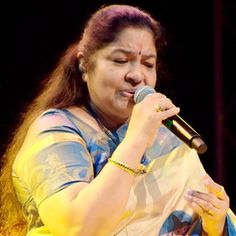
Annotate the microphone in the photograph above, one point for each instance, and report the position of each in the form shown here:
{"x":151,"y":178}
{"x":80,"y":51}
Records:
{"x":176,"y":124}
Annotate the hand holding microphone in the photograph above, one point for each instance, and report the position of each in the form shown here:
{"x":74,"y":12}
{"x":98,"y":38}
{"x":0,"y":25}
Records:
{"x":175,"y":123}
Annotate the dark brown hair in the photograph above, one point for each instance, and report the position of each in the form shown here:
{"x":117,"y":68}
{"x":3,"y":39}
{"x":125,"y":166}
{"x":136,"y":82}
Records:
{"x":64,"y":88}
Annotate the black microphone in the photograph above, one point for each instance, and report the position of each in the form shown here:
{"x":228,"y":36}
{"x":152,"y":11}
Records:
{"x":176,"y":124}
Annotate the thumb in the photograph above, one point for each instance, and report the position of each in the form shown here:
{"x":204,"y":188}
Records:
{"x":214,"y":188}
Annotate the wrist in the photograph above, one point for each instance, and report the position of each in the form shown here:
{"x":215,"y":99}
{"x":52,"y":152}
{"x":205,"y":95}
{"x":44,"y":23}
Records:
{"x":139,"y":141}
{"x":214,"y":229}
{"x":129,"y":152}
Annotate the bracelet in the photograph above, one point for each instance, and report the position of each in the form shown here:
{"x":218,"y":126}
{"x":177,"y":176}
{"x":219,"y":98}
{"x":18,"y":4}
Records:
{"x":140,"y":170}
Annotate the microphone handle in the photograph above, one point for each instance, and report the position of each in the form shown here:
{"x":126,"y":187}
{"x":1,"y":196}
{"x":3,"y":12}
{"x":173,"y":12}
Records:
{"x":186,"y":133}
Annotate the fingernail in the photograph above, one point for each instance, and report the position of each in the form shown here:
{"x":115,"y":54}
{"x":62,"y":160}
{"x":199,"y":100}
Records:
{"x":206,"y":181}
{"x":190,"y":192}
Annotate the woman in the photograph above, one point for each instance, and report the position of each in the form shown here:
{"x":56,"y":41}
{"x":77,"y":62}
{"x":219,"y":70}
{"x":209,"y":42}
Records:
{"x":76,"y":157}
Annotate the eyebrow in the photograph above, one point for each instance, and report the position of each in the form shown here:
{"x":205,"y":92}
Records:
{"x":127,"y":51}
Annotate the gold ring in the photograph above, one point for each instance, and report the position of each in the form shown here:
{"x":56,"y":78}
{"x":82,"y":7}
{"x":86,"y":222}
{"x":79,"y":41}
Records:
{"x":158,"y":107}
{"x":209,"y":212}
{"x":218,"y":194}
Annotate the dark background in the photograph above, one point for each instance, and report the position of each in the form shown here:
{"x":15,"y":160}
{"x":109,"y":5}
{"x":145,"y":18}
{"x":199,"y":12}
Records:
{"x":200,"y":62}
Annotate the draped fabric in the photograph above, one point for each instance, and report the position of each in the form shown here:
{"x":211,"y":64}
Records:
{"x":60,"y":149}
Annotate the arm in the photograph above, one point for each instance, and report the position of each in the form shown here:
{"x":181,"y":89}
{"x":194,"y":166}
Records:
{"x":95,"y":208}
{"x":89,"y":209}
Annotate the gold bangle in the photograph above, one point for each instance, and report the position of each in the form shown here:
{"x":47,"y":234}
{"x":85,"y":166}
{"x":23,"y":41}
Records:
{"x":140,"y":170}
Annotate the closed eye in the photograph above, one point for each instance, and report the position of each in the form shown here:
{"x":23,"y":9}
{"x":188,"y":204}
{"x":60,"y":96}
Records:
{"x":120,"y":61}
{"x":149,"y":65}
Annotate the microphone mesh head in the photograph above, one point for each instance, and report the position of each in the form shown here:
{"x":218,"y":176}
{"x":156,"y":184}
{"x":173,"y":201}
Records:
{"x":142,"y":92}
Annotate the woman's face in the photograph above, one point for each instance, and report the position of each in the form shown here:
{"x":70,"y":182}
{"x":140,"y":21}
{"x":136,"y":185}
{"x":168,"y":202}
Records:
{"x":119,"y":69}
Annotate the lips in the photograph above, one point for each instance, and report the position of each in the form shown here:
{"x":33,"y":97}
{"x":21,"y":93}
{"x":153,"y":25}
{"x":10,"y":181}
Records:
{"x":128,"y":92}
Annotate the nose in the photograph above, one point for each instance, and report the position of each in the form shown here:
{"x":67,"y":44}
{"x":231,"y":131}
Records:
{"x":135,"y":76}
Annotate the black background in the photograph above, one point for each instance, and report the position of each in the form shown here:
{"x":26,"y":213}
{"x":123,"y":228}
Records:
{"x":34,"y":34}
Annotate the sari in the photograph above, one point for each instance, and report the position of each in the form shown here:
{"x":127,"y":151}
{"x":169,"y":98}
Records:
{"x":155,"y":206}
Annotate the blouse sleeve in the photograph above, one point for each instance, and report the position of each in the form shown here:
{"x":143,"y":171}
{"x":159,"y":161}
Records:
{"x":51,"y":161}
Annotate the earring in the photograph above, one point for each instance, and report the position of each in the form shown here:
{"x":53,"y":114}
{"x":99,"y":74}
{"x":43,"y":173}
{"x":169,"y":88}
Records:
{"x":81,"y":68}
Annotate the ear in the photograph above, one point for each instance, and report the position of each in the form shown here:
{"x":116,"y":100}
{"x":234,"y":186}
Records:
{"x":80,"y":59}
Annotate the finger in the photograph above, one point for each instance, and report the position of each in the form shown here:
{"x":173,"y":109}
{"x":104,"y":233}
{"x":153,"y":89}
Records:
{"x":165,"y":104}
{"x":208,"y":203}
{"x":206,"y":197}
{"x":204,"y":204}
{"x":168,"y":113}
{"x":214,"y":188}
{"x":162,"y":105}
{"x":198,"y":208}
{"x":206,"y":209}
{"x":160,"y":99}
{"x":154,"y":96}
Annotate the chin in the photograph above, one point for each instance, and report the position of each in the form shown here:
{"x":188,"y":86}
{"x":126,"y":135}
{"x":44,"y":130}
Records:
{"x":124,"y":109}
{"x":125,"y":113}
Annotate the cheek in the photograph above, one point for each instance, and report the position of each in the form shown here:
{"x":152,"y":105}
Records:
{"x":113,"y":79}
{"x":107,"y":78}
{"x":151,"y":79}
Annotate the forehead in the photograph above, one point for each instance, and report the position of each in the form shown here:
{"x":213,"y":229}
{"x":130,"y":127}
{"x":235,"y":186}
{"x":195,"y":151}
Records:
{"x":137,"y":39}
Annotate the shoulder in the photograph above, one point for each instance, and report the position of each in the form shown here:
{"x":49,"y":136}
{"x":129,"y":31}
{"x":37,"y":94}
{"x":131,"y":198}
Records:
{"x":73,"y":120}
{"x":51,"y":119}
{"x":83,"y":115}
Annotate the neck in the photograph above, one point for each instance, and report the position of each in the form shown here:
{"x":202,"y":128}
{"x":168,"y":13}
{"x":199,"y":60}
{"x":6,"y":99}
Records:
{"x":105,"y":120}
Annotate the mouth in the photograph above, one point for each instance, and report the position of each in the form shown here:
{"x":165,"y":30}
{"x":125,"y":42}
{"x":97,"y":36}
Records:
{"x":128,"y":93}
